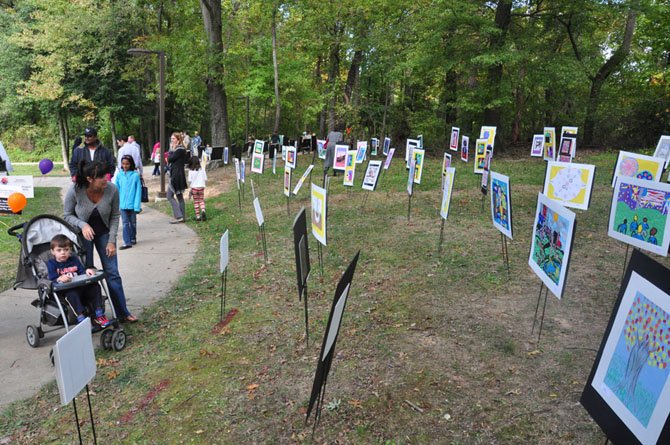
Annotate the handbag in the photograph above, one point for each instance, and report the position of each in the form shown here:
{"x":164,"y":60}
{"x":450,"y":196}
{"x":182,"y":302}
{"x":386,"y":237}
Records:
{"x":145,"y":192}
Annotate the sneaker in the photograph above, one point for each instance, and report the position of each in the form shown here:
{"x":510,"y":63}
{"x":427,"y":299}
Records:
{"x":177,"y":221}
{"x":204,"y":216}
{"x":126,"y":246}
{"x":102,"y":321}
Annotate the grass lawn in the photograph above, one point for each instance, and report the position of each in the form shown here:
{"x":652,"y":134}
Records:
{"x":432,"y":348}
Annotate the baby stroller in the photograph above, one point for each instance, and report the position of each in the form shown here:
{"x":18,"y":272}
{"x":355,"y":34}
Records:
{"x":35,"y":237}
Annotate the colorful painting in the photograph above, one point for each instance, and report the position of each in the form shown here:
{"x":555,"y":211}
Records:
{"x":480,"y":156}
{"x":446,"y":163}
{"x":387,"y":145}
{"x":447,"y":187}
{"x":257,"y":161}
{"x":569,"y":184}
{"x":549,"y":144}
{"x":639,"y":214}
{"x":453,"y":142}
{"x":551,"y":244}
{"x":570,"y":132}
{"x":419,"y":155}
{"x":488,"y":133}
{"x":411,"y":145}
{"x":389,"y":157}
{"x":628,"y":391}
{"x":321,"y":148}
{"x":537,"y":147}
{"x":291,"y":156}
{"x":237,"y":171}
{"x":258,"y":146}
{"x":361,"y":151}
{"x":465,"y":148}
{"x":243,"y":170}
{"x":501,"y":204}
{"x":663,"y":150}
{"x":340,"y":157}
{"x":374,"y":145}
{"x":485,"y":173}
{"x":319,"y":213}
{"x":410,"y":177}
{"x":302,"y":179}
{"x":349,"y":168}
{"x":372,"y":175}
{"x":633,"y":165}
{"x":287,"y":181}
{"x":565,"y":149}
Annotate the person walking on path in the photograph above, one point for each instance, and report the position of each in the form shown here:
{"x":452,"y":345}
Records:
{"x":92,"y":150}
{"x":177,"y":185}
{"x":92,"y":205}
{"x":130,"y":193}
{"x":127,"y":148}
{"x":197,"y":179}
{"x":196,"y":141}
{"x":156,"y":158}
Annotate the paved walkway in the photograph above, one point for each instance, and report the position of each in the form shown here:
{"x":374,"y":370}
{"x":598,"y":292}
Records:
{"x":163,"y":252}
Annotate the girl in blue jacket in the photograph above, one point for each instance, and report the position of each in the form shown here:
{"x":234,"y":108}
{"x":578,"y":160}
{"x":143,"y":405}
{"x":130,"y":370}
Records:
{"x":127,"y":180}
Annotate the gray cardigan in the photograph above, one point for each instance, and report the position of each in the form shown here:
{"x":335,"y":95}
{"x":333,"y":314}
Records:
{"x":77,"y":208}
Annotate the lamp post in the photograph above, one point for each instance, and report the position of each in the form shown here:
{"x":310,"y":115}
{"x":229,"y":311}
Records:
{"x":161,"y":107}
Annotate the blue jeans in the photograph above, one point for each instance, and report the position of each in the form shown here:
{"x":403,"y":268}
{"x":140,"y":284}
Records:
{"x":111,"y":268}
{"x":129,"y":221}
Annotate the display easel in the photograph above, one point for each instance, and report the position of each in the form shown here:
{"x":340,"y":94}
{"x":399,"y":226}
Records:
{"x":505,"y":252}
{"x":439,"y":246}
{"x":224,"y":285}
{"x":90,"y":413}
{"x":537,"y":307}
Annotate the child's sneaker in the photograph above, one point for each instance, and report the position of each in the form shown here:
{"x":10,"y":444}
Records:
{"x":102,"y":321}
{"x":204,"y":216}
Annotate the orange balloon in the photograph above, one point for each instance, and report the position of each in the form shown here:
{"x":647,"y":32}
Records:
{"x":16,"y":202}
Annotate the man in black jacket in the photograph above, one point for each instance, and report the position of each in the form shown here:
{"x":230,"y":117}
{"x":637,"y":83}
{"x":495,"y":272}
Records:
{"x":92,"y":150}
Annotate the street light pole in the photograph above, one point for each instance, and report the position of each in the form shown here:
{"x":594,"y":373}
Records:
{"x":161,"y":108}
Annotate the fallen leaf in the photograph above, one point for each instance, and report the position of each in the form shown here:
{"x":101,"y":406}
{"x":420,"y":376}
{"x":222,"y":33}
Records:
{"x":356,"y":403}
{"x":111,"y":375}
{"x":252,"y":387}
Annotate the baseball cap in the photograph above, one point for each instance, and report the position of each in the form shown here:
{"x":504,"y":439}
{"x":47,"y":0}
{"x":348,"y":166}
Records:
{"x":90,"y":131}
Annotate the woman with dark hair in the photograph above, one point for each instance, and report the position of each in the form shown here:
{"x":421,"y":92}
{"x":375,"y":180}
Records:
{"x":127,"y":180}
{"x":175,"y":192}
{"x":92,"y":205}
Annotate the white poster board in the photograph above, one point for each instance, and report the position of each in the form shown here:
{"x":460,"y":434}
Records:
{"x":302,"y":179}
{"x":74,"y":361}
{"x":259,"y":212}
{"x":223,"y":250}
{"x":13,"y":184}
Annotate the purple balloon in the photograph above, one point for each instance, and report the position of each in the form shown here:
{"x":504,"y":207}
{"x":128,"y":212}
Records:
{"x":46,"y":166}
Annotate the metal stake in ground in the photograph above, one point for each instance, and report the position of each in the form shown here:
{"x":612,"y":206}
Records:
{"x":409,"y":206}
{"x":365,"y":199}
{"x":261,"y":229}
{"x":319,"y":251}
{"x":304,"y":297}
{"x":625,"y":262}
{"x":90,"y":413}
{"x":505,"y":252}
{"x":439,"y":246}
{"x":224,"y":285}
{"x":76,"y":419}
{"x":537,"y":307}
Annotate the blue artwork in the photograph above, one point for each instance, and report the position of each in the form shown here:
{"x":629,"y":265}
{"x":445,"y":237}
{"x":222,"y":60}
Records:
{"x":500,"y":203}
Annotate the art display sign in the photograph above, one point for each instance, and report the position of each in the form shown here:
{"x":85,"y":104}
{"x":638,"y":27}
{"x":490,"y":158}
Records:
{"x":321,"y":148}
{"x":411,"y":145}
{"x":537,"y":147}
{"x":302,"y":179}
{"x":569,"y":184}
{"x":257,"y":163}
{"x":465,"y":148}
{"x":223,"y":252}
{"x":447,"y":188}
{"x":374,"y":145}
{"x":300,"y":242}
{"x":350,"y":168}
{"x":361,"y":151}
{"x":74,"y":361}
{"x":340,"y":157}
{"x":387,"y":146}
{"x":488,"y":133}
{"x":453,"y":141}
{"x":633,"y":165}
{"x":389,"y":157}
{"x":663,"y":150}
{"x":480,"y":156}
{"x":419,"y":155}
{"x":569,"y":132}
{"x":372,"y":175}
{"x":319,"y":213}
{"x":287,"y":181}
{"x":258,"y":146}
{"x":549,"y":144}
{"x":291,"y":157}
{"x":259,"y":212}
{"x":501,"y":204}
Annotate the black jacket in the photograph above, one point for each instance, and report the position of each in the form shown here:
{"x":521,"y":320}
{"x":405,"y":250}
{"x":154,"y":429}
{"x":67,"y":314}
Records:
{"x":101,"y":154}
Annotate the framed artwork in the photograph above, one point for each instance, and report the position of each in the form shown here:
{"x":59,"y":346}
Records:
{"x":223,"y":251}
{"x":302,"y":179}
{"x":372,"y":175}
{"x":447,"y":187}
{"x":501,"y":204}
{"x":350,"y":168}
{"x":74,"y":361}
{"x":485,"y":174}
{"x":257,"y":161}
{"x":453,"y":142}
{"x":565,"y":149}
{"x":639,"y":214}
{"x":537,"y":147}
{"x":569,"y":184}
{"x":340,"y":157}
{"x":389,"y":157}
{"x":410,"y":177}
{"x":633,"y":165}
{"x":259,"y":212}
{"x":420,"y":139}
{"x":480,"y":156}
{"x":446,"y":163}
{"x":418,"y":154}
{"x":663,"y":150}
{"x":291,"y":156}
{"x":374,"y":144}
{"x":258,"y":146}
{"x":387,"y":145}
{"x":488,"y":133}
{"x":570,"y":132}
{"x":411,"y":145}
{"x":300,"y":242}
{"x":287,"y":181}
{"x":465,"y":148}
{"x":549,"y":144}
{"x":321,"y":148}
{"x":243,"y":170}
{"x":225,"y":155}
{"x":361,"y":151}
{"x":627,"y":392}
{"x":237,"y":171}
{"x":319,"y":213}
{"x":551,"y":245}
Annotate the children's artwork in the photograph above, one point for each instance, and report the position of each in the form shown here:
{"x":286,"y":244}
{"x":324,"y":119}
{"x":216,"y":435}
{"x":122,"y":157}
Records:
{"x":480,"y":156}
{"x":488,"y":133}
{"x":302,"y":179}
{"x":549,"y":144}
{"x":501,"y":204}
{"x":374,"y":145}
{"x":389,"y":157}
{"x":411,"y":145}
{"x":485,"y":174}
{"x":663,"y":150}
{"x":361,"y":151}
{"x":465,"y":148}
{"x":287,"y":181}
{"x":553,"y":233}
{"x":329,"y":340}
{"x":340,"y":157}
{"x":302,"y":265}
{"x":537,"y":147}
{"x":319,"y":213}
{"x":639,"y":214}
{"x":372,"y":175}
{"x":225,"y":155}
{"x":74,"y":361}
{"x":569,"y":184}
{"x":223,"y":251}
{"x":291,"y":157}
{"x":243,"y":171}
{"x":633,"y":165}
{"x":570,"y":132}
{"x":446,"y":163}
{"x":565,"y":149}
{"x":350,"y":168}
{"x":418,"y":155}
{"x":420,"y":139}
{"x":257,"y":161}
{"x":237,"y":171}
{"x":410,"y":177}
{"x":259,"y":212}
{"x":387,"y":145}
{"x":321,"y":148}
{"x":628,"y":391}
{"x":447,"y":187}
{"x":453,"y":142}
{"x":258,"y":146}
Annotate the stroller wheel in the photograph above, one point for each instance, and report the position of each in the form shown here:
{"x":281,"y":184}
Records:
{"x":33,"y":335}
{"x":106,"y":339}
{"x":119,"y":340}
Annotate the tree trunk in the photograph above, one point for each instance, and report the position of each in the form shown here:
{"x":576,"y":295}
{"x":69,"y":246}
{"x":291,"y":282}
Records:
{"x":519,"y":101}
{"x":64,"y":142}
{"x":276,"y":71}
{"x":386,"y":107}
{"x":333,"y":71}
{"x":112,"y":128}
{"x":610,"y":66}
{"x":636,"y":361}
{"x":352,"y":77}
